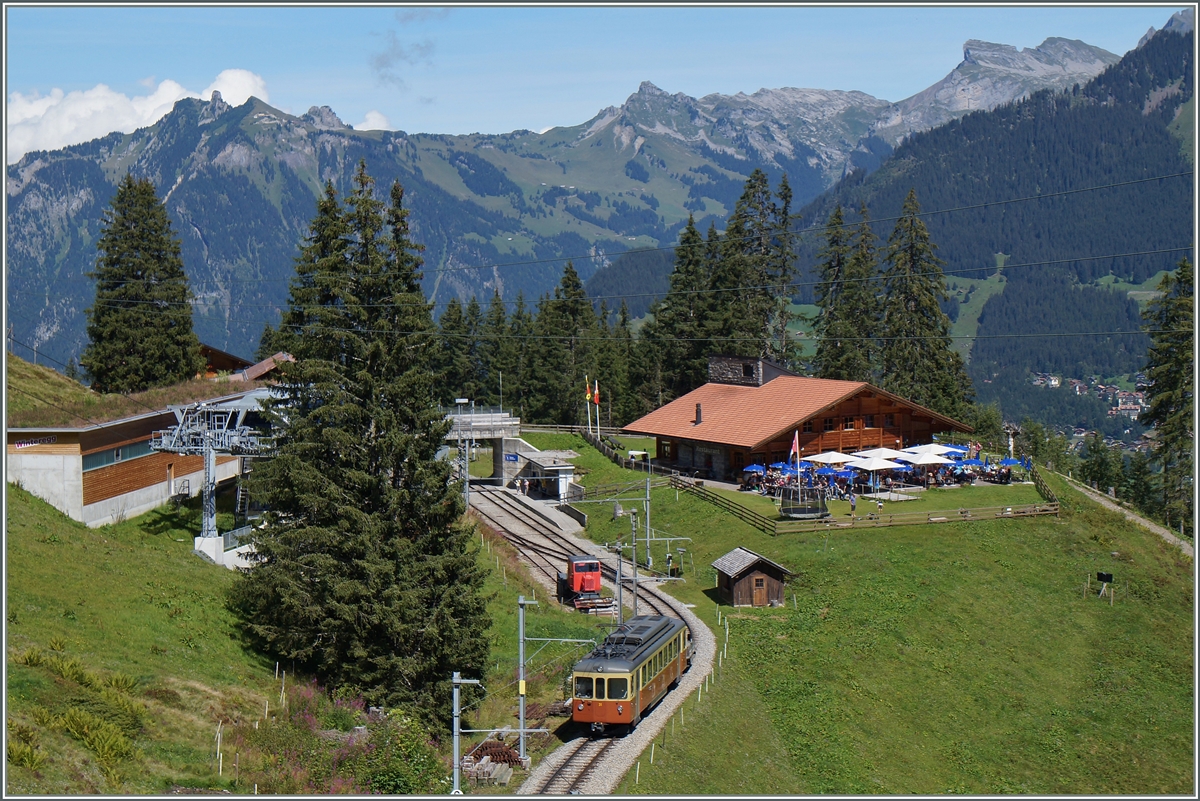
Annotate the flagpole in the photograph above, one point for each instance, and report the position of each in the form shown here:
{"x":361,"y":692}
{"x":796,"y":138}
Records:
{"x":588,"y":403}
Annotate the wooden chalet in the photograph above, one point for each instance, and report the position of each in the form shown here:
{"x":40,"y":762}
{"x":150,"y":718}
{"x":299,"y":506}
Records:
{"x":750,"y":410}
{"x":745,"y":578}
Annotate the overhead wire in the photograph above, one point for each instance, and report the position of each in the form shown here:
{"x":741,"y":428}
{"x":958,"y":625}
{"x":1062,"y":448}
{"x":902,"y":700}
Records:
{"x":798,"y":231}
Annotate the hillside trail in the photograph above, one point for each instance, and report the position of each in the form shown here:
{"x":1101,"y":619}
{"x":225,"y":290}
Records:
{"x":1107,"y":502}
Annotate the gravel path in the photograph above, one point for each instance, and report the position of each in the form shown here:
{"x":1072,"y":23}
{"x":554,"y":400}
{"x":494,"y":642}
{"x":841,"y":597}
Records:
{"x":1108,"y":503}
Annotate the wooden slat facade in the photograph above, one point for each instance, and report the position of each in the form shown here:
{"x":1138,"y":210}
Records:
{"x":60,"y":444}
{"x":135,"y":474}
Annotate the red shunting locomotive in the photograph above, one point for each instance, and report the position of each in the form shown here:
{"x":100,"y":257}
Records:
{"x":580,"y":585}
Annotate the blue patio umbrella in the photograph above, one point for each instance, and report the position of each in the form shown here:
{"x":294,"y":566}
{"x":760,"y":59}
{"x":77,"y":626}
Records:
{"x":845,"y":474}
{"x":829,"y":471}
{"x":789,"y":470}
{"x":754,"y":468}
{"x":779,"y":465}
{"x":971,"y":462}
{"x":1009,"y":462}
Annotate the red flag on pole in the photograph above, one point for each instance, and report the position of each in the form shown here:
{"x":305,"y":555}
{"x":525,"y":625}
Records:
{"x":796,"y":443}
{"x":596,"y":396}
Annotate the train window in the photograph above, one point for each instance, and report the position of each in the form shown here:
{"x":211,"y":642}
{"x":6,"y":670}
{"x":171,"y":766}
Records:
{"x":617,"y":689}
{"x":583,"y":686}
{"x":600,"y":689}
{"x":587,"y":567}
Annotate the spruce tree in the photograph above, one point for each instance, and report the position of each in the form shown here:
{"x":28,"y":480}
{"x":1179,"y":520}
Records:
{"x":520,"y":330}
{"x":917,"y":361}
{"x":497,"y":351}
{"x":456,"y":377}
{"x":364,"y":573}
{"x":755,"y":269}
{"x":1171,"y":371}
{"x":847,"y":301}
{"x":682,"y":316}
{"x":140,"y":325}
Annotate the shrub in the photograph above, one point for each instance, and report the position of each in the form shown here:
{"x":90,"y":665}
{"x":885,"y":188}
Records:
{"x":32,"y":656}
{"x":43,"y":717}
{"x":97,"y":735}
{"x":58,"y":644}
{"x":121,"y":681}
{"x":68,"y":667}
{"x":25,"y":755}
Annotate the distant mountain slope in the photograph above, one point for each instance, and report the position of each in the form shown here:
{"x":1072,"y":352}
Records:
{"x":496,"y":212}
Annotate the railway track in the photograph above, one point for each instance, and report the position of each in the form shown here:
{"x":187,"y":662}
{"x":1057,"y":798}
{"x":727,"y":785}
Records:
{"x":584,"y":765}
{"x":581,"y":758}
{"x":544,"y":547}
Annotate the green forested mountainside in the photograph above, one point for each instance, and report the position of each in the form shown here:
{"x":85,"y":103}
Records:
{"x":639,"y":277}
{"x":1111,"y":133}
{"x":1047,"y":144}
{"x":1053,"y":304}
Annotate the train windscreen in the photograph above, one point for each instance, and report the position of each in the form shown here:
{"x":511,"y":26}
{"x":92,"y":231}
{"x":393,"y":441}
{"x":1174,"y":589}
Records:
{"x":617,"y":689}
{"x":583,"y":686}
{"x":587,"y":567}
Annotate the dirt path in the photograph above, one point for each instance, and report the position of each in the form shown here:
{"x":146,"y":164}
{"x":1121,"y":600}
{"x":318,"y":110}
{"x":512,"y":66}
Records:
{"x":1108,"y":503}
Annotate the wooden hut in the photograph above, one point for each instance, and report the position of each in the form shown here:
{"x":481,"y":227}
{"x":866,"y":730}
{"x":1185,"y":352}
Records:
{"x":745,"y":578}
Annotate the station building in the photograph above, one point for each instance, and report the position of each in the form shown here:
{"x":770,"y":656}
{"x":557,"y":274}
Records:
{"x":751,"y":409}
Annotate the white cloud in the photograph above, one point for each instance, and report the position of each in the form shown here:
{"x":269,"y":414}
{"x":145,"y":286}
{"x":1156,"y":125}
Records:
{"x":58,"y":119}
{"x":374,"y":121}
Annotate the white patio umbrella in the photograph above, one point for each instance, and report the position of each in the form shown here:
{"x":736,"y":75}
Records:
{"x":830,"y":457}
{"x":922,"y":459}
{"x":873,"y":465}
{"x":881,"y":453}
{"x":925,"y":458}
{"x":933,"y":448}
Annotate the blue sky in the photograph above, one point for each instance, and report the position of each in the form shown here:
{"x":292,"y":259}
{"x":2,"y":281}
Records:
{"x":73,"y":73}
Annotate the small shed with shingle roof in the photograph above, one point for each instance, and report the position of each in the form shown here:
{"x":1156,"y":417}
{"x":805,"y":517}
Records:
{"x":745,"y":578}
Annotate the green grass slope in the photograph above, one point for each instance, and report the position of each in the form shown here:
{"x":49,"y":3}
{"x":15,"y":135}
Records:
{"x":132,"y":600}
{"x":955,"y":658}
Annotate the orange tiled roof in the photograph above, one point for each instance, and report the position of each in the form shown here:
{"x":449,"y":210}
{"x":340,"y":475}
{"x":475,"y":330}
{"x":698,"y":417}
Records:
{"x":748,"y":416}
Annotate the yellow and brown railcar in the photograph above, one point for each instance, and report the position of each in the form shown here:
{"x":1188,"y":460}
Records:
{"x":625,"y":676}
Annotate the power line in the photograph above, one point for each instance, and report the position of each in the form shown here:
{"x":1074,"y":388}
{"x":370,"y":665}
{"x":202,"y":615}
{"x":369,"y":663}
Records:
{"x":797,"y":231}
{"x":591,"y":299}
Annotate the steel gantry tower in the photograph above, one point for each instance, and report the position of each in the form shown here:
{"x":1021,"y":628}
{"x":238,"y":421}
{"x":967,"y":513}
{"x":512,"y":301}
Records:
{"x":206,"y":429}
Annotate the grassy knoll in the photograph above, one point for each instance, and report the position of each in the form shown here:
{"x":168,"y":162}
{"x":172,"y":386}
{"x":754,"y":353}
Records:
{"x":144,"y":643}
{"x":40,"y":397}
{"x":960,"y":658}
{"x":127,"y":600}
{"x":592,"y":467}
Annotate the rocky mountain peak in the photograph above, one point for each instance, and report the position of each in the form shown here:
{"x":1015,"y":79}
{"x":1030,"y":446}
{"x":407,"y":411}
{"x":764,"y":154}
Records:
{"x":322,"y":117}
{"x":215,"y":107}
{"x":1180,"y":22}
{"x":647,"y":88}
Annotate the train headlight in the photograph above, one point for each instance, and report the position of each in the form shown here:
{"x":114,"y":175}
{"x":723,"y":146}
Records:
{"x":620,"y":708}
{"x":580,"y":707}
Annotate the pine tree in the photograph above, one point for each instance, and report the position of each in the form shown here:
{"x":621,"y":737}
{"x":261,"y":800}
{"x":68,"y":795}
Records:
{"x":916,"y":359}
{"x":477,"y":374}
{"x":497,"y":352}
{"x":140,"y":325}
{"x":1169,"y":320}
{"x":846,"y":297}
{"x":565,"y":334}
{"x":755,"y":269}
{"x":520,"y":328}
{"x":315,"y":291}
{"x":364,"y":574}
{"x":682,"y":316}
{"x":456,"y":379}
